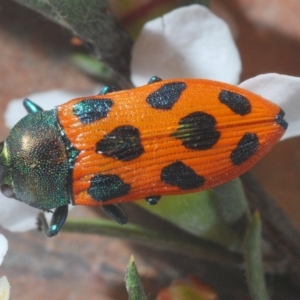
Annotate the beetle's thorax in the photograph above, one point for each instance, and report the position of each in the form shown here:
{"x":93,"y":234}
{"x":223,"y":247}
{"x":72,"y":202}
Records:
{"x":35,"y":161}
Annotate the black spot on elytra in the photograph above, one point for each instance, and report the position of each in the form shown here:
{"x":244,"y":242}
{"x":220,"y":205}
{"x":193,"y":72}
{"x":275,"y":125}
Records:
{"x":237,"y":103}
{"x":182,"y":176}
{"x":279,"y":119}
{"x":90,"y":110}
{"x":166,"y":96}
{"x":246,"y":147}
{"x":152,"y":200}
{"x":197,"y":131}
{"x":107,"y":187}
{"x":122,"y":143}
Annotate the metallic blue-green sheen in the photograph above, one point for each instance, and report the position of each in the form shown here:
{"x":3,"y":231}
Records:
{"x":36,"y":161}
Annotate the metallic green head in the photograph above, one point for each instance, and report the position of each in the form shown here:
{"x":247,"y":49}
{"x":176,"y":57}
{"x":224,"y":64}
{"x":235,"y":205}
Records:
{"x":34,"y":166}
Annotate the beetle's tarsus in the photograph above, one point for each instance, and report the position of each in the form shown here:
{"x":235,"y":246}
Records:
{"x":152,"y":200}
{"x":40,"y":221}
{"x":154,"y":79}
{"x":58,"y":219}
{"x":31,"y":107}
{"x":116,"y":212}
{"x":108,"y":89}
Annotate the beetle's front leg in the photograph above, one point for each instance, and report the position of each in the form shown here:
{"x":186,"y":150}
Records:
{"x":58,"y":219}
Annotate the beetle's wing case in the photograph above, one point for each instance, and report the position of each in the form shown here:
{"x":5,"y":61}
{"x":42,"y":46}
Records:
{"x":168,"y":137}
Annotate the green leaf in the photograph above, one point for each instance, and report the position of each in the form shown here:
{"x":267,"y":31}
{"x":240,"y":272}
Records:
{"x":133,"y":282}
{"x":231,"y":202}
{"x":92,"y":67}
{"x":92,"y":21}
{"x":253,"y":260}
{"x":199,"y":215}
{"x":175,"y":241}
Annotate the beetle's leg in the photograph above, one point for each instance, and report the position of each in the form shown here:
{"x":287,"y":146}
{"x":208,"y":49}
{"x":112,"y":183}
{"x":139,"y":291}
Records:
{"x":58,"y":219}
{"x":154,"y":79}
{"x":115,"y":212}
{"x":152,"y":200}
{"x":107,"y":89}
{"x":31,"y":107}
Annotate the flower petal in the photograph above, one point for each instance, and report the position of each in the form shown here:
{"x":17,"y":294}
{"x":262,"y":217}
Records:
{"x":4,"y":288}
{"x":17,"y":216}
{"x":3,"y":247}
{"x":187,"y":42}
{"x":283,"y":90}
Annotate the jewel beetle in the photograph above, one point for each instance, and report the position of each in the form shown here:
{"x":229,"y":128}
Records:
{"x":167,"y":137}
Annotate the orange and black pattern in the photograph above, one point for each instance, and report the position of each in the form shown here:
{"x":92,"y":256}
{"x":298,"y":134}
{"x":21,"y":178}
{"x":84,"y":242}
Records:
{"x":167,"y":137}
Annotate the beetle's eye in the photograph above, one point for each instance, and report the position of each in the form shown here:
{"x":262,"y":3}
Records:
{"x":7,"y":191}
{"x":1,"y":146}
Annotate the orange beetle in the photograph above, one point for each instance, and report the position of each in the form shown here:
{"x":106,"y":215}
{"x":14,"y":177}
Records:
{"x":168,"y":137}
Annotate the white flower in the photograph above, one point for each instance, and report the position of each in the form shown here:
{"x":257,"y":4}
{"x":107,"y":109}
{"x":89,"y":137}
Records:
{"x":4,"y":285}
{"x":284,"y":91}
{"x":3,"y":247}
{"x":4,"y":288}
{"x":187,"y":42}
